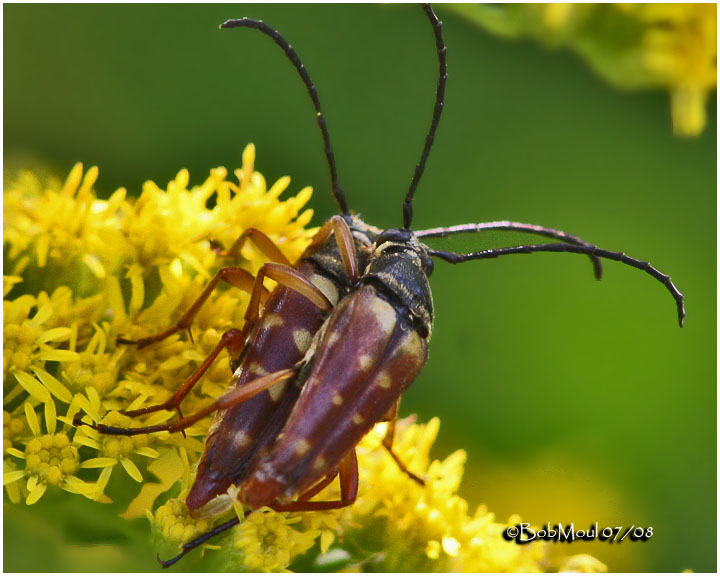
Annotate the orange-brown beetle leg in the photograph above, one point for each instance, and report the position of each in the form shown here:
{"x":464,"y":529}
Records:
{"x":232,"y":398}
{"x":233,"y":340}
{"x":349,"y":496}
{"x":234,"y":276}
{"x":289,"y":277}
{"x":348,"y":472}
{"x":237,"y":277}
{"x":345,"y":242}
{"x":388,"y":440}
{"x":315,"y":490}
{"x":260,"y":239}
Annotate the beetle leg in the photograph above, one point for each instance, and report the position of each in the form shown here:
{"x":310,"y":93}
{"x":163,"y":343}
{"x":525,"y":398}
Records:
{"x":233,"y":340}
{"x":237,"y":277}
{"x":261,"y":240}
{"x":302,"y":500}
{"x":234,"y":397}
{"x":388,"y":440}
{"x":345,"y":242}
{"x":289,"y":277}
{"x":349,"y":480}
{"x":348,"y":472}
{"x":305,"y":496}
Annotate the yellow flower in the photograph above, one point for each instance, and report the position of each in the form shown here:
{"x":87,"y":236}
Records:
{"x":175,"y":524}
{"x":95,"y":366}
{"x":13,"y":489}
{"x":51,"y":459}
{"x":267,"y":542}
{"x":115,"y":449}
{"x":58,"y":224}
{"x":28,"y":344}
{"x":679,"y":45}
{"x":670,"y":46}
{"x":12,"y":427}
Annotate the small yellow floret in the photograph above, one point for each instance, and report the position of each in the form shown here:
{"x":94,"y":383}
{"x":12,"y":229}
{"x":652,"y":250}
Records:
{"x":51,"y":458}
{"x":268,"y":542}
{"x":174,"y":522}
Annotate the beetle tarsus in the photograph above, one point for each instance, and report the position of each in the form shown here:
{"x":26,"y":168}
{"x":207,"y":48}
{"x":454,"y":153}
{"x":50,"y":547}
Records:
{"x":168,"y":563}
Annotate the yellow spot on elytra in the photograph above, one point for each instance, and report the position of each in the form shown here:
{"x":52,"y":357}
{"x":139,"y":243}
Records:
{"x":256,"y":370}
{"x":365,"y":361}
{"x":276,"y":390}
{"x":241,"y":439}
{"x":273,"y":320}
{"x":337,"y":399}
{"x":384,"y":380}
{"x":319,"y":463}
{"x":302,"y":339}
{"x":414,"y":345}
{"x":384,"y":314}
{"x":302,"y":447}
{"x":357,"y":419}
{"x":327,"y":287}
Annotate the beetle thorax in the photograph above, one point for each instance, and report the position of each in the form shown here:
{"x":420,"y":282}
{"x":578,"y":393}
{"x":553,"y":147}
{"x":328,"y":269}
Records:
{"x":399,"y":266}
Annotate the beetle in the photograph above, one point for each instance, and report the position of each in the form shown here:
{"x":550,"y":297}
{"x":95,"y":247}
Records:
{"x":375,"y":342}
{"x":266,"y":352}
{"x":364,"y":355}
{"x":254,"y":409}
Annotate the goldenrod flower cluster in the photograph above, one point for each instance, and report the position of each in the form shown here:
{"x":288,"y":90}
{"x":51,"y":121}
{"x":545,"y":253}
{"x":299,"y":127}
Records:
{"x":81,"y":271}
{"x":667,"y":46}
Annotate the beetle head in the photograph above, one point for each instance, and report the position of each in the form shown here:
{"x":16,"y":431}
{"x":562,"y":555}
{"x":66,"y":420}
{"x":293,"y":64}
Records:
{"x":403,"y":241}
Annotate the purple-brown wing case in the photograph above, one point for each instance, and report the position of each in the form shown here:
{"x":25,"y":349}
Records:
{"x":242,"y":433}
{"x":365,"y":356}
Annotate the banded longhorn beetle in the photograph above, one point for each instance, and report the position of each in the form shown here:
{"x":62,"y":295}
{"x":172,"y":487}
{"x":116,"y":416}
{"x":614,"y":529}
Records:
{"x":365,"y":345}
{"x":278,"y":330}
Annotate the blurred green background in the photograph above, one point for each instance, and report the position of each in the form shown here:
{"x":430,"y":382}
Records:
{"x":577,"y":401}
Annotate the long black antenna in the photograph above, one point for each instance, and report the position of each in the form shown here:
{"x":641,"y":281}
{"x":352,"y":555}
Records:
{"x":587,"y":249}
{"x":439,"y":103}
{"x":292,"y":55}
{"x":513,"y":227}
